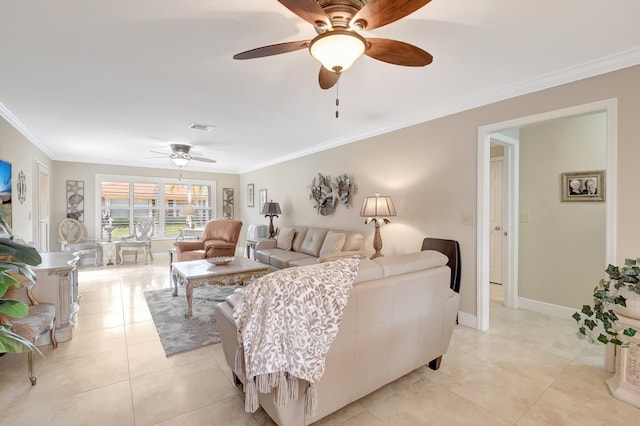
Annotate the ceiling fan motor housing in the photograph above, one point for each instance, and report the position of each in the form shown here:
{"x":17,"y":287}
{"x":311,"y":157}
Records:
{"x":340,"y":12}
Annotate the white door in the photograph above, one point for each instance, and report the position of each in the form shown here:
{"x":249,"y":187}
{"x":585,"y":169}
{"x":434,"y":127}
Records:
{"x":42,"y":207}
{"x":496,"y":233}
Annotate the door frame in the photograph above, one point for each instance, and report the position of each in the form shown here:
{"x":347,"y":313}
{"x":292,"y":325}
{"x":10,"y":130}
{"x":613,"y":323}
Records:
{"x":610,"y":107}
{"x":41,"y":168}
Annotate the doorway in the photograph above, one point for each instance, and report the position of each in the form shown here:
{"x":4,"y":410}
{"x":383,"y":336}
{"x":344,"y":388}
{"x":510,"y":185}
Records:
{"x":511,"y":199}
{"x":41,"y":202}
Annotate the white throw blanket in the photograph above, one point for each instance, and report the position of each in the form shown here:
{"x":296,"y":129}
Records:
{"x":287,"y":321}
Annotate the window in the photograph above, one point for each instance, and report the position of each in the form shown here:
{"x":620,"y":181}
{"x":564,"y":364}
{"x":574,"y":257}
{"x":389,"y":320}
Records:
{"x":125,"y":199}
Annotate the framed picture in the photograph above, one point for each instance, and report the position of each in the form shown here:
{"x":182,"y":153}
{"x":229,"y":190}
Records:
{"x":227,"y":203}
{"x":583,"y":186}
{"x":250,"y":189}
{"x":263,"y":198}
{"x":75,"y":200}
{"x":6,"y":208}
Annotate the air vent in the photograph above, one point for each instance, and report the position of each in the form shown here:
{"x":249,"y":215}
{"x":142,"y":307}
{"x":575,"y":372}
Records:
{"x":203,"y":127}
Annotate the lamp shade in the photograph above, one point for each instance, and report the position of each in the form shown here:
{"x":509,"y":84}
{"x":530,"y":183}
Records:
{"x":378,"y":206}
{"x":180,"y":161}
{"x":337,"y":50}
{"x":188,"y":211}
{"x":271,"y":209}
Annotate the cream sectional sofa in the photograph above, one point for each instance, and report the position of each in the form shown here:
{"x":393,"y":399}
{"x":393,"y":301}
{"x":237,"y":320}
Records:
{"x":302,"y":245}
{"x":400,"y":316}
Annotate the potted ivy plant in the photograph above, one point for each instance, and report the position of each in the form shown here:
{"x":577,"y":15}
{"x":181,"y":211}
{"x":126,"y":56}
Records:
{"x":14,"y":269}
{"x":610,"y":299}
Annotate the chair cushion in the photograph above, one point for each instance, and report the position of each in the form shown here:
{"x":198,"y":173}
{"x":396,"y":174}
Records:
{"x":285,"y":238}
{"x":190,"y":255}
{"x":333,"y":242}
{"x":313,"y":241}
{"x":39,"y":321}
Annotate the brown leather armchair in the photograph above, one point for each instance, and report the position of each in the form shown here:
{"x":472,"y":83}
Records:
{"x":218,"y":239}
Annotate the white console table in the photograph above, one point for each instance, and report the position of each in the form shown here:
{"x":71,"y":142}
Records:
{"x":190,"y":233}
{"x":57,"y":283}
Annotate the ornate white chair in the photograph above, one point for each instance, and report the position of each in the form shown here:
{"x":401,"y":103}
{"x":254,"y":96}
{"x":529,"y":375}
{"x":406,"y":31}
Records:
{"x":139,"y":241}
{"x":71,"y":233}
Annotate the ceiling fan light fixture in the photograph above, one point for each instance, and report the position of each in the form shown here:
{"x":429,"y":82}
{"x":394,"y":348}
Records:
{"x":337,"y":50}
{"x":180,"y":161}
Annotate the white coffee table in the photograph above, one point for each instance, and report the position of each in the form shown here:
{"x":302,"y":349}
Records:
{"x":197,"y":273}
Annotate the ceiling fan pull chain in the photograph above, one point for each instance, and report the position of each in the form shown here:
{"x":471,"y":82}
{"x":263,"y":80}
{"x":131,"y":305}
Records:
{"x":337,"y":100}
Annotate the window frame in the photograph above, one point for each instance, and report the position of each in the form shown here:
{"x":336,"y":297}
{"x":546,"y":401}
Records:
{"x":159,"y":233}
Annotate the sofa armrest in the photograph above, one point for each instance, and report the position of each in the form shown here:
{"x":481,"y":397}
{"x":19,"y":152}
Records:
{"x":343,"y":254}
{"x":188,"y":245}
{"x":266,"y":244}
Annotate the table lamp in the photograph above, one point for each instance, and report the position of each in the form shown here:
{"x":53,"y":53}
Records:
{"x":376,"y":209}
{"x":188,"y":211}
{"x":270,"y":210}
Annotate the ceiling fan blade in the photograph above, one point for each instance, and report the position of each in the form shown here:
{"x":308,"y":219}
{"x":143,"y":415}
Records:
{"x":274,"y":49}
{"x":377,"y":13}
{"x":206,"y":160}
{"x":327,"y":79}
{"x":166,"y":154}
{"x":309,"y":10}
{"x":397,"y":53}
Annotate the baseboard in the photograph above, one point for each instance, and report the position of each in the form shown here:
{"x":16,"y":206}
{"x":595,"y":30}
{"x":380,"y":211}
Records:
{"x":545,"y":308}
{"x":467,"y":320}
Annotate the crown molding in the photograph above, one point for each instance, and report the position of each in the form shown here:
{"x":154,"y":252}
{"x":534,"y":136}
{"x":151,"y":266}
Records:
{"x":17,"y":124}
{"x":582,"y":71}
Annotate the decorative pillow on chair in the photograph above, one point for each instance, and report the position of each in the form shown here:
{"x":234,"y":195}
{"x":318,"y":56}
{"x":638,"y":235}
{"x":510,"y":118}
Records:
{"x":333,"y":243}
{"x":285,"y":238}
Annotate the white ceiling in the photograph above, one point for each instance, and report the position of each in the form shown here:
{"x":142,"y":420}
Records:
{"x":109,"y":81}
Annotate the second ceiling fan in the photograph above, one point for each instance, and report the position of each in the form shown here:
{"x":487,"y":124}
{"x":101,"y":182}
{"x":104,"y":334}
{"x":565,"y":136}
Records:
{"x":338,"y":43}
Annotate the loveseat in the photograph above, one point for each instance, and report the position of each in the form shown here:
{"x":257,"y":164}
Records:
{"x":301,"y":245}
{"x":399,"y":316}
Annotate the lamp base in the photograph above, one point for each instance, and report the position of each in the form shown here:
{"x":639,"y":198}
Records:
{"x":377,"y":241}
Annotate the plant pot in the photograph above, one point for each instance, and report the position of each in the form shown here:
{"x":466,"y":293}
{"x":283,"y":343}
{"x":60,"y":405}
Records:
{"x":632,"y":310}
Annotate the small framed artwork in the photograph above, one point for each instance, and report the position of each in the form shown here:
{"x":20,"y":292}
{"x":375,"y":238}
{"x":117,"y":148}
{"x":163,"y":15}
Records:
{"x":250,"y":189}
{"x":227,"y":203}
{"x":583,"y":186}
{"x":75,"y":200}
{"x":263,"y":198}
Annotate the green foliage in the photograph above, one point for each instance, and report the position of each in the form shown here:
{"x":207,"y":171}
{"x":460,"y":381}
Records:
{"x":601,"y":318}
{"x":15,"y":259}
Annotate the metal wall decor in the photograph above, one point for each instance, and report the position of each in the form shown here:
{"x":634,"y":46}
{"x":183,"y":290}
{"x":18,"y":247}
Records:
{"x":75,"y":200}
{"x":21,"y":186}
{"x":227,"y":203}
{"x":327,"y":193}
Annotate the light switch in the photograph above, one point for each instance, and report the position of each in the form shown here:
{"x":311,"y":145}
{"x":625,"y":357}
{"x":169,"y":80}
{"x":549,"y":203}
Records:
{"x":524,"y":217}
{"x":468,"y":219}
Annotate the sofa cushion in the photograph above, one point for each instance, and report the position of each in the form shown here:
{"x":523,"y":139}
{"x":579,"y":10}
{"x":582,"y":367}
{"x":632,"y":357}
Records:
{"x":285,"y":238}
{"x":301,"y":231}
{"x":303,"y":261}
{"x":353,"y":241}
{"x":411,"y":262}
{"x":333,"y":242}
{"x":264,"y":255}
{"x":281,"y":259}
{"x":313,"y":241}
{"x":369,"y":271}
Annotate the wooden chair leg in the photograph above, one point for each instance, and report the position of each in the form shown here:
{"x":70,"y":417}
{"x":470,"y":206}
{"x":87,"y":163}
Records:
{"x":54,"y":341}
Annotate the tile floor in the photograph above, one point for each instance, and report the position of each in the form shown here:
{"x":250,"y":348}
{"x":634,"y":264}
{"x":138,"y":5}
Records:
{"x":529,"y":369}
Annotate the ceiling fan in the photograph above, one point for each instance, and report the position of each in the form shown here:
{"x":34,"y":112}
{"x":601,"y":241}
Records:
{"x":180,"y":155}
{"x":338,"y":43}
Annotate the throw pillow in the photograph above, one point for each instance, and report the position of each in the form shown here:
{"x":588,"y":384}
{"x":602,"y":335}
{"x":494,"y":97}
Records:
{"x":285,"y":238}
{"x":333,"y":243}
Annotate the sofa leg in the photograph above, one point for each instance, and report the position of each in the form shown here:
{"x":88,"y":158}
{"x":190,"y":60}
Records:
{"x":237,"y":381}
{"x":435,"y":364}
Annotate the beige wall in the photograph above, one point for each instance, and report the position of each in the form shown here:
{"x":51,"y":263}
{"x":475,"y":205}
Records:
{"x":430,"y":171}
{"x":562,"y":245}
{"x":63,"y":171}
{"x":22,"y":154}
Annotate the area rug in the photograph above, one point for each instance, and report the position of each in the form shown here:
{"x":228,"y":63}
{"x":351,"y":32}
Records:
{"x":177,"y":333}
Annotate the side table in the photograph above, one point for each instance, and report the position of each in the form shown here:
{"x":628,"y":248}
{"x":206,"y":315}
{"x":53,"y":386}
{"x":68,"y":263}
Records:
{"x":250,"y":251}
{"x":110,"y":252}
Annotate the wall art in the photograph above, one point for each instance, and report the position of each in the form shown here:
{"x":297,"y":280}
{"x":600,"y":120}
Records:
{"x":21,"y":186}
{"x":227,"y":203}
{"x":583,"y":186}
{"x":321,"y":192}
{"x":75,"y":200}
{"x":6,"y":208}
{"x":250,"y":189}
{"x":343,"y":188}
{"x":262,"y":199}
